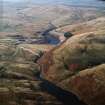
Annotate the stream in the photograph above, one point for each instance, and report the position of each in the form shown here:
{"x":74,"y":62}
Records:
{"x":65,"y":97}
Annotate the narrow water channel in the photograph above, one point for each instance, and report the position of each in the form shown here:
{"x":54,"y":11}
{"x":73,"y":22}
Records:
{"x":65,"y":97}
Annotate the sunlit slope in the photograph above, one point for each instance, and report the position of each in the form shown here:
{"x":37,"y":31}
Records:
{"x":85,"y":27}
{"x":82,"y":52}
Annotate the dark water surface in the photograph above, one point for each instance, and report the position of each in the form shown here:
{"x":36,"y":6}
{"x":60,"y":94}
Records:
{"x":66,"y":97}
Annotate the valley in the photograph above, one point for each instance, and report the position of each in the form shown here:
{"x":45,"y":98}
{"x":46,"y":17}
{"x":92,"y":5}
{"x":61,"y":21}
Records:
{"x":52,"y":52}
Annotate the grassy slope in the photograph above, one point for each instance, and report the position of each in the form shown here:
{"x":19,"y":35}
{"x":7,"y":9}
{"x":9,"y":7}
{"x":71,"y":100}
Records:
{"x":84,"y":52}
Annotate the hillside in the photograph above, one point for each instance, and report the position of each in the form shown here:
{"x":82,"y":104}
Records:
{"x":85,"y":27}
{"x":78,"y":64}
{"x":28,"y":20}
{"x":18,"y":83}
